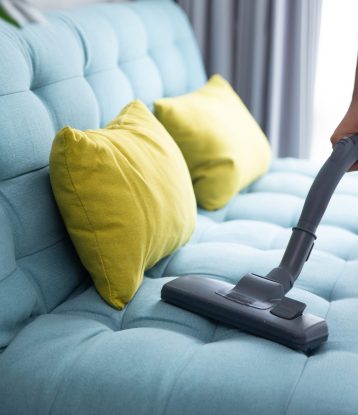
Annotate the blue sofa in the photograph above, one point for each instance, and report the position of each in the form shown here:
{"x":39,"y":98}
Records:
{"x":64,"y":351}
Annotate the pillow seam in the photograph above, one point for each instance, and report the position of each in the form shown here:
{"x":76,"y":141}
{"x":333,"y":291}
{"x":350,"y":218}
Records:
{"x":90,"y":223}
{"x":123,"y":117}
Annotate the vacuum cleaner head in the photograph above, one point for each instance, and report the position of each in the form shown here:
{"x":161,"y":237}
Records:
{"x":258,"y":304}
{"x":278,"y":320}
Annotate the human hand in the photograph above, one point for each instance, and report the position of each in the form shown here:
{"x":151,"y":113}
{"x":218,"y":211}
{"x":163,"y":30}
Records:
{"x":348,"y":126}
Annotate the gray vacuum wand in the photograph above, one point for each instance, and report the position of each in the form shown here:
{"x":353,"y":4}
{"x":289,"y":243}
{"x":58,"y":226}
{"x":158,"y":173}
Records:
{"x":257,"y":304}
{"x":298,"y":250}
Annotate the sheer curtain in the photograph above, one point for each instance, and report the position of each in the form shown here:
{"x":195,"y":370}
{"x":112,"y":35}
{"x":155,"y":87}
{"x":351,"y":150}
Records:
{"x":267,"y":49}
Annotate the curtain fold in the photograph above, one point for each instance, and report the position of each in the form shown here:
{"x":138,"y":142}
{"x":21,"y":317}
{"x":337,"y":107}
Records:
{"x":267,"y":49}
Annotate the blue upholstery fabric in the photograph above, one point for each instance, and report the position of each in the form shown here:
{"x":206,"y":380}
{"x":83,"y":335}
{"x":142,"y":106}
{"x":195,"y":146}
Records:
{"x":151,"y":358}
{"x":80,"y":70}
{"x":65,"y":351}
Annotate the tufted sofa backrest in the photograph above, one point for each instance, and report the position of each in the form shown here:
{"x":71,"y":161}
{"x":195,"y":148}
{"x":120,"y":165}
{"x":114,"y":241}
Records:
{"x":80,"y":69}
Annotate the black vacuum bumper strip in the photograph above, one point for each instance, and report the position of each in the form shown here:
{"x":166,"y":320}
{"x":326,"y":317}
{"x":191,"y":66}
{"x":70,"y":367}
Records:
{"x":258,"y":304}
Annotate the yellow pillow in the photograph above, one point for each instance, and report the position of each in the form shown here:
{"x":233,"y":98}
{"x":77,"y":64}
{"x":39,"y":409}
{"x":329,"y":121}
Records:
{"x":223,"y":146}
{"x":126,"y":198}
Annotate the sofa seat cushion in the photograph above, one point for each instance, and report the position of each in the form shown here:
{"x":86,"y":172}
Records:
{"x":153,"y":358}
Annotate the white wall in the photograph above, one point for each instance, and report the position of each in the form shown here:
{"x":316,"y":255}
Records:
{"x":337,"y":58}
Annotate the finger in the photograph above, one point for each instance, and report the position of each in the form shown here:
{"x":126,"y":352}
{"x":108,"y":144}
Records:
{"x":336,"y":136}
{"x":334,"y":140}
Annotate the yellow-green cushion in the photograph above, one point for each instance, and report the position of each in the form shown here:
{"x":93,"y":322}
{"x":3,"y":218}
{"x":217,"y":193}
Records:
{"x":126,"y":198}
{"x":223,"y":145}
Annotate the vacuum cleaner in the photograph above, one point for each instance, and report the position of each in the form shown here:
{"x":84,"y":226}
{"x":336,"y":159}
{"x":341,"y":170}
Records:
{"x":258,"y":304}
